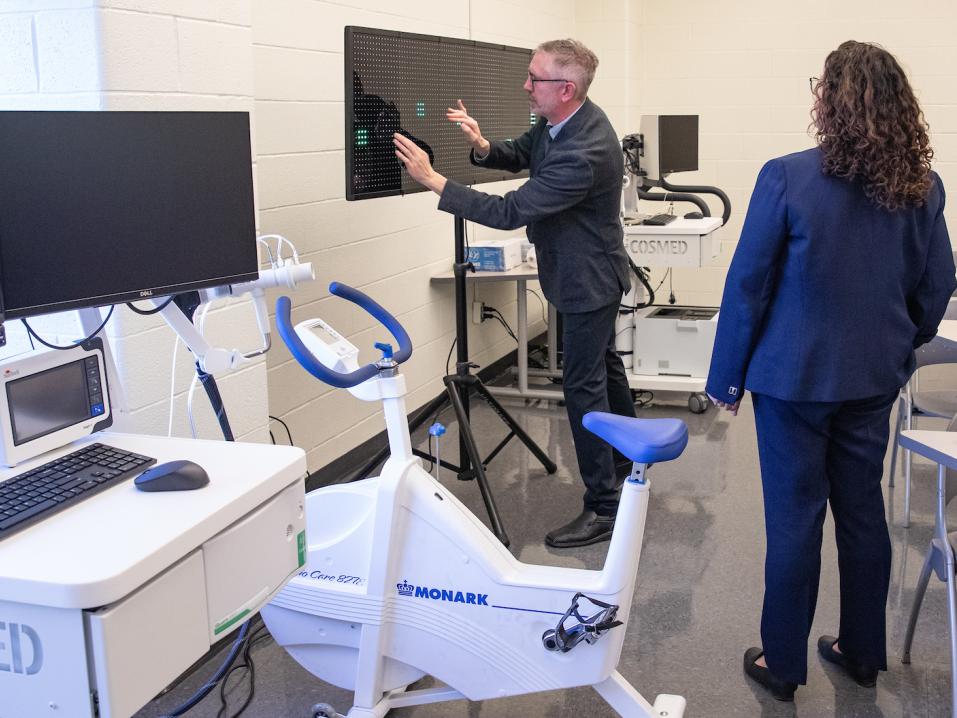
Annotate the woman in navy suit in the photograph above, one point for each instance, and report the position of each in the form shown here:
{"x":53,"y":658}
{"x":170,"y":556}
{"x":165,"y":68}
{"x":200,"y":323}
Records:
{"x":843,"y":268}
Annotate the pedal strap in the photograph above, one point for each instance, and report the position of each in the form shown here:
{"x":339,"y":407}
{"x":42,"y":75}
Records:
{"x":588,"y":628}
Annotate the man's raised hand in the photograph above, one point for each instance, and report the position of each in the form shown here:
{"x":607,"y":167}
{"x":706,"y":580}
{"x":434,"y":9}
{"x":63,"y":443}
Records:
{"x":469,"y":126}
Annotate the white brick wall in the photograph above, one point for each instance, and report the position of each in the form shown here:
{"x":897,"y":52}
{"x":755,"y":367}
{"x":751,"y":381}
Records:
{"x":152,"y":55}
{"x":744,"y":67}
{"x":387,"y":247}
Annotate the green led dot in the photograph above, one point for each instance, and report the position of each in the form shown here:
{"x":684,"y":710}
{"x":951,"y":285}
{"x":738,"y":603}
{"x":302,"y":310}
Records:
{"x":362,"y":137}
{"x":420,"y":109}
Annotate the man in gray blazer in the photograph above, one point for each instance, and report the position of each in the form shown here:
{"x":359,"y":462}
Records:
{"x":570,"y":207}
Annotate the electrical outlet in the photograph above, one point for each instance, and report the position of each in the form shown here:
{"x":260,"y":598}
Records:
{"x":478,"y":312}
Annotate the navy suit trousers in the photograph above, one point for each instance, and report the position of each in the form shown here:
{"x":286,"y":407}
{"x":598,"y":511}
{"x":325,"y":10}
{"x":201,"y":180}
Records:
{"x":593,"y":378}
{"x":812,"y":454}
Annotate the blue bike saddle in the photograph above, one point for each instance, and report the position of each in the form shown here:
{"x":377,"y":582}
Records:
{"x":645,"y":441}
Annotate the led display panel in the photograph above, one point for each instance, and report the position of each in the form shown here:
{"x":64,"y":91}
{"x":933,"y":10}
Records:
{"x":404,"y":82}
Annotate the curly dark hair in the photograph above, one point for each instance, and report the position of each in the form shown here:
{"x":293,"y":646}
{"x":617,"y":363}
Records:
{"x":870,"y":127}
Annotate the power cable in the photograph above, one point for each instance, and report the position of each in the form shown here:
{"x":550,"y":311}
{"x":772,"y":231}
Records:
{"x":76,"y":343}
{"x":154,"y":310}
{"x":285,"y":426}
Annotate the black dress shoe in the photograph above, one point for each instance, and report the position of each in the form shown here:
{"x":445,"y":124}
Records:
{"x":865,"y":676}
{"x":587,"y":528}
{"x":781,"y":690}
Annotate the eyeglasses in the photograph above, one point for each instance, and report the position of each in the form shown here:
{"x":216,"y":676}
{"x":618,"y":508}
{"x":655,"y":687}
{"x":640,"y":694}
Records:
{"x":813,"y":81}
{"x":532,"y":80}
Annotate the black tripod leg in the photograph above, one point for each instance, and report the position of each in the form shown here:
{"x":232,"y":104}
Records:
{"x":547,"y":463}
{"x":430,"y":410}
{"x":465,"y":433}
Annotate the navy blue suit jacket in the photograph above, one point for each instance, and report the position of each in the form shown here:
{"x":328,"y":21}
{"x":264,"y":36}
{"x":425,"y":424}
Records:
{"x":828,"y":295}
{"x":570,"y":205}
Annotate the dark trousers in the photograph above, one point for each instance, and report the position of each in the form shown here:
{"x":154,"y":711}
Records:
{"x":813,"y":453}
{"x":594,"y":380}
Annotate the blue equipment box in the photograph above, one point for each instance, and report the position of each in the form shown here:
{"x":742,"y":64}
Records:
{"x":496,"y":255}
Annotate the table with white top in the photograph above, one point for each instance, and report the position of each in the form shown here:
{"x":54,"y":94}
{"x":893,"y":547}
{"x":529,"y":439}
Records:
{"x":682,"y":242}
{"x":941,"y":448}
{"x":521,"y":275}
{"x":938,"y":446}
{"x":948,"y":330}
{"x":106,"y":602}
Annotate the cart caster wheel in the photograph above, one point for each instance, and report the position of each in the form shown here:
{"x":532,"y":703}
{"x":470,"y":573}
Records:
{"x":324,"y":710}
{"x":698,"y":403}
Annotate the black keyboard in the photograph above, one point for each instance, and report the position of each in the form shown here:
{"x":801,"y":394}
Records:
{"x":36,"y":494}
{"x":659,"y":220}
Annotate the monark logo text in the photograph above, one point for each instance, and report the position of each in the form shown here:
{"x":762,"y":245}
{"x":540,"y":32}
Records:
{"x":441,"y":594}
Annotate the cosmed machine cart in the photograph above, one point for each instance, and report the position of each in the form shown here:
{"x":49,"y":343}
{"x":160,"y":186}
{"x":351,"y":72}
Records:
{"x":667,"y":347}
{"x":671,"y":345}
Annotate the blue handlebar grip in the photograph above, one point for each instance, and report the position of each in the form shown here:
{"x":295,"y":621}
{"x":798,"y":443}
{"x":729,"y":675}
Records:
{"x":371,"y":306}
{"x":307,"y":360}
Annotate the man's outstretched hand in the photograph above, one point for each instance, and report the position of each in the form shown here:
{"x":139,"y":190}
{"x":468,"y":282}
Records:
{"x":469,"y":127}
{"x":416,"y":161}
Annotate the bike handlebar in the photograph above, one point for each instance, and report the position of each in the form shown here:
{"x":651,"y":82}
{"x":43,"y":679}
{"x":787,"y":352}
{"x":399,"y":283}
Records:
{"x":319,"y":370}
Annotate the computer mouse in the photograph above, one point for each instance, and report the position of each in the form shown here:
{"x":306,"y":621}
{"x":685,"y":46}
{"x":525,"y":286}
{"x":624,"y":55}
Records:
{"x":694,"y":215}
{"x":182,"y":475}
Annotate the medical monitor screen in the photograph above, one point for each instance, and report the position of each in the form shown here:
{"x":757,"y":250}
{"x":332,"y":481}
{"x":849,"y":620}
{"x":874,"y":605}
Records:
{"x":677,"y":143}
{"x":48,"y":401}
{"x":103,"y":207}
{"x":401,"y":82}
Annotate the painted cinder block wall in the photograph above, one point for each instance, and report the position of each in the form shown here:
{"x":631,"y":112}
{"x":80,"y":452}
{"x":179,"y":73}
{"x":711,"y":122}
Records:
{"x":143,"y":55}
{"x":389,"y":248}
{"x":742,"y":66}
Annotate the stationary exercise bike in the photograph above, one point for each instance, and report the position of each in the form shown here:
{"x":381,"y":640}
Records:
{"x":402,"y":580}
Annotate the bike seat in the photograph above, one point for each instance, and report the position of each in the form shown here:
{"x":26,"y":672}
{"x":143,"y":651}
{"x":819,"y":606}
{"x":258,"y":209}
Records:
{"x":646,"y":441}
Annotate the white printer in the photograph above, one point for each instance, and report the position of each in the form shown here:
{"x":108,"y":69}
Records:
{"x":674,"y":340}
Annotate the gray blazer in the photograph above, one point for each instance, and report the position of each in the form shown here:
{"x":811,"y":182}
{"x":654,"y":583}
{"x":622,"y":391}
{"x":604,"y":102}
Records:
{"x":570,"y":207}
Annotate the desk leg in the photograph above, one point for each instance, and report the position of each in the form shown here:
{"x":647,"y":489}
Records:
{"x":553,"y":340}
{"x":522,"y":371}
{"x":522,"y":321}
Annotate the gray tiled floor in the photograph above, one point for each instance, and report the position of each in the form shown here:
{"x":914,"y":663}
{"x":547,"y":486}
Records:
{"x":698,"y":601}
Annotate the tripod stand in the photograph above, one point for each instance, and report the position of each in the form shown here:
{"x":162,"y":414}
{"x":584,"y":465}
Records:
{"x":458,"y":389}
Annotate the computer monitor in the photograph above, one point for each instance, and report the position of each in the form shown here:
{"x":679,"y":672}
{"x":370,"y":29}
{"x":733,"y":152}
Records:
{"x":104,"y":207}
{"x":669,"y":144}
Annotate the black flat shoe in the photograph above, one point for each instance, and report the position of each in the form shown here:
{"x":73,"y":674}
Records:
{"x":862,"y":675}
{"x":781,"y":690}
{"x":587,"y":528}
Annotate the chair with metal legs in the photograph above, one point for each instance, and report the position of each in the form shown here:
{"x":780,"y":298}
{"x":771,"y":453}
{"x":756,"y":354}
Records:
{"x":941,"y":561}
{"x":913,"y":402}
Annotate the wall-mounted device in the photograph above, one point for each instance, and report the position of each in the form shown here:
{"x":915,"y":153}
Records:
{"x":50,"y":398}
{"x":670,"y":144}
{"x":404,"y":82}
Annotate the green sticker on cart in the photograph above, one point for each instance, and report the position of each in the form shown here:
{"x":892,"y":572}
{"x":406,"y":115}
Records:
{"x":301,"y":547}
{"x":220,"y":627}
